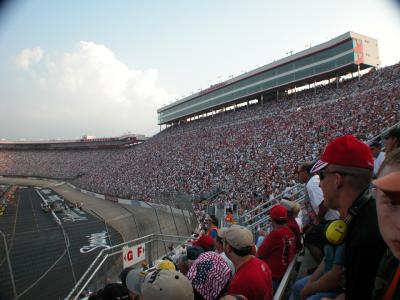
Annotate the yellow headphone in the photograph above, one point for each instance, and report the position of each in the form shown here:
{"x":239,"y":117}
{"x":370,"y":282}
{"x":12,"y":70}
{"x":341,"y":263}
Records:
{"x":336,"y":231}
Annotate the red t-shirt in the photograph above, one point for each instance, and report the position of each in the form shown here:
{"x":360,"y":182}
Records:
{"x":277,"y":250}
{"x":252,"y":280}
{"x":292,"y":224}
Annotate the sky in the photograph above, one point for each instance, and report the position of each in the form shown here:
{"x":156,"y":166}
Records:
{"x":103,"y":68}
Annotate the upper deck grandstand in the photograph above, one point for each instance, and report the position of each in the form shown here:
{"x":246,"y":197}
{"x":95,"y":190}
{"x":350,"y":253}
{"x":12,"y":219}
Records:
{"x":347,"y":53}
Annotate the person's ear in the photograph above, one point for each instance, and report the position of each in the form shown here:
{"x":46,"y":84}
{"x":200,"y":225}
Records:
{"x":338,"y":180}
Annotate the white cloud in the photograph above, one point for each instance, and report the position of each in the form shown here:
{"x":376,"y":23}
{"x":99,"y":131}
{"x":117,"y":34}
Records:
{"x":89,"y":91}
{"x":28,"y":57}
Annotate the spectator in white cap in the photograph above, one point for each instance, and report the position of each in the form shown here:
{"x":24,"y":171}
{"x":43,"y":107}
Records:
{"x":133,"y":282}
{"x":166,"y":285}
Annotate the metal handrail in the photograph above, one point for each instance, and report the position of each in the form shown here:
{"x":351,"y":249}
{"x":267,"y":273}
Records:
{"x":274,"y":200}
{"x":114,"y":250}
{"x":382,"y":133}
{"x":276,"y":197}
{"x":267,"y":204}
{"x":285,"y":280}
{"x":267,"y":217}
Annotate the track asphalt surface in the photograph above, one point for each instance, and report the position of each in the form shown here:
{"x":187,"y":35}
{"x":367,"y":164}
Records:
{"x":37,"y":247}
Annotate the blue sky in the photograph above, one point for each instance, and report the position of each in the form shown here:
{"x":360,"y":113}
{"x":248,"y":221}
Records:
{"x":70,"y":68}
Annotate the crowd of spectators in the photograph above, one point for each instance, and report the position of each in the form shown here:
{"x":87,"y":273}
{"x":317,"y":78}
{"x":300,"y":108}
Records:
{"x":252,"y":154}
{"x":249,"y":153}
{"x":225,"y":263}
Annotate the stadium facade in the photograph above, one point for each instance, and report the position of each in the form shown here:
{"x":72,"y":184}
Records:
{"x":347,"y":53}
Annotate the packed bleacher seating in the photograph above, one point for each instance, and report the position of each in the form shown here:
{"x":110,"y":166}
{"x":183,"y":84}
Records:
{"x":253,"y":154}
{"x":250,"y":153}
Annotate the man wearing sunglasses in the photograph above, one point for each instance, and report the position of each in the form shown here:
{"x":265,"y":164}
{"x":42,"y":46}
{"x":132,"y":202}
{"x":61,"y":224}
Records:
{"x":345,"y":171}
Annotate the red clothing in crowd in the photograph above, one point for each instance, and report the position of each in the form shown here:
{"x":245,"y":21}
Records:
{"x":277,"y":250}
{"x":252,"y":280}
{"x":292,"y":224}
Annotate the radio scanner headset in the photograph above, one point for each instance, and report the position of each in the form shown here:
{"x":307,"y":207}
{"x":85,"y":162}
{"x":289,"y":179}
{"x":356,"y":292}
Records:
{"x":336,"y":231}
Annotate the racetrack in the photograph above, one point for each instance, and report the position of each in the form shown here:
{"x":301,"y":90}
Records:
{"x":39,"y":249}
{"x":37,"y":245}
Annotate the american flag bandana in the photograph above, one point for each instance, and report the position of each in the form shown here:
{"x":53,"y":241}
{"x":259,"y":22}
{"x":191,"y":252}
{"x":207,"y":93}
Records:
{"x":209,"y":274}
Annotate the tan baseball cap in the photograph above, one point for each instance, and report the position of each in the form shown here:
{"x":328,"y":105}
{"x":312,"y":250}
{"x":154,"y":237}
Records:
{"x":239,"y":237}
{"x":292,"y":206}
{"x":389,"y":182}
{"x":167,"y":285}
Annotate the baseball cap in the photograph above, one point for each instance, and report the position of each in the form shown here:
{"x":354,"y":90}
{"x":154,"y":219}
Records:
{"x":209,"y":274}
{"x":239,"y":237}
{"x":292,"y":206}
{"x":205,"y":242}
{"x":394,"y":132}
{"x":124,"y":273}
{"x":166,"y":285}
{"x":278,"y":213}
{"x":346,"y":151}
{"x":165,"y":264}
{"x":389,"y":182}
{"x":134,"y":279}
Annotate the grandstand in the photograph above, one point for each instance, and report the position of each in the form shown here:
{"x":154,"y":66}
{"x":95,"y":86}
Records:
{"x":81,"y":144}
{"x":250,"y":154}
{"x":347,"y":53}
{"x":245,"y":156}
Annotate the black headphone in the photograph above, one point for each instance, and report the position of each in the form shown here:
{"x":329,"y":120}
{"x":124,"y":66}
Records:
{"x":336,"y":231}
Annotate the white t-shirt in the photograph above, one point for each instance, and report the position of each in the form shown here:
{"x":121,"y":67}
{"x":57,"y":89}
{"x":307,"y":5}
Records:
{"x":228,"y":261}
{"x":316,"y":197}
{"x":378,"y":161}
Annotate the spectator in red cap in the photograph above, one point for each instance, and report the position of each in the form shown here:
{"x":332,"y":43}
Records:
{"x":387,"y":285}
{"x":279,"y":247}
{"x":205,"y":242}
{"x":293,"y":209}
{"x":345,"y":170}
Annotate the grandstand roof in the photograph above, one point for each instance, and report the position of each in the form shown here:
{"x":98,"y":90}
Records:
{"x":337,"y":56}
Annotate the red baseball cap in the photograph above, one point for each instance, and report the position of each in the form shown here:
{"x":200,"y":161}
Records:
{"x":346,"y":151}
{"x":278,"y":213}
{"x":205,"y":242}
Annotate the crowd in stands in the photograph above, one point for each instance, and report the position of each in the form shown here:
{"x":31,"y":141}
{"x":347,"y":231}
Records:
{"x":250,"y":153}
{"x":360,"y":247}
{"x":351,"y":229}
